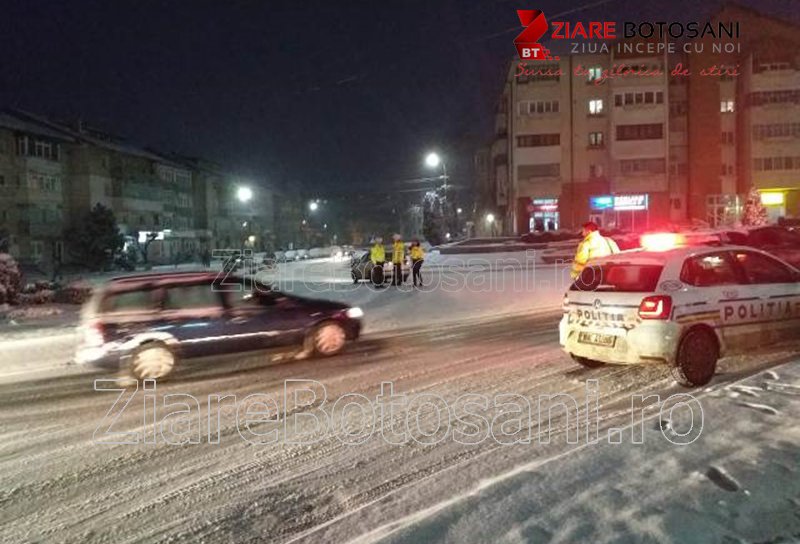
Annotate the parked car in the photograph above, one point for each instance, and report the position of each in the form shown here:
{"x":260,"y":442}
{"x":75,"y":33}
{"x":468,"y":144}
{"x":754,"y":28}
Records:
{"x":361,"y":269}
{"x":783,"y":242}
{"x":149,"y":324}
{"x":685,"y":307}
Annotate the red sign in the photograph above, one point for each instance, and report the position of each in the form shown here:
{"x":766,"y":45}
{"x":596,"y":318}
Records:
{"x":527,"y":43}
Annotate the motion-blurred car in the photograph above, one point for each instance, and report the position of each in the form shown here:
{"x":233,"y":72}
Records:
{"x":361,"y":269}
{"x":149,"y":324}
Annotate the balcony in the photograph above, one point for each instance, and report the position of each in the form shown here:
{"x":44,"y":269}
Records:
{"x":36,"y":229}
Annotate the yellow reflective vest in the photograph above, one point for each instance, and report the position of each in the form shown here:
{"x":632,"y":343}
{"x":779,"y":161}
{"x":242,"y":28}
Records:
{"x":595,"y":245}
{"x":417,"y":253}
{"x":377,"y":254}
{"x":398,"y":252}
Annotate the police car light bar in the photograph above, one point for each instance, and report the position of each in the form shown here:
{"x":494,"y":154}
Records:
{"x":662,"y":241}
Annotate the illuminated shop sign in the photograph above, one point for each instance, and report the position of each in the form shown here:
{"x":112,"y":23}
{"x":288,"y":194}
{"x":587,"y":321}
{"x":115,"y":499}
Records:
{"x":604,"y":202}
{"x":630,"y":202}
{"x":544,"y":205}
{"x":772,"y":199}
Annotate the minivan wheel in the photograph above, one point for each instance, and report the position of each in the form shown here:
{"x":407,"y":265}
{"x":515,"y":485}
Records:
{"x":328,"y":338}
{"x":152,"y":360}
{"x":586,"y":362}
{"x":696,"y":360}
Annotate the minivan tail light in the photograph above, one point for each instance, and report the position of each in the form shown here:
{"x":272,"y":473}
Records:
{"x":93,"y":335}
{"x":656,"y":307}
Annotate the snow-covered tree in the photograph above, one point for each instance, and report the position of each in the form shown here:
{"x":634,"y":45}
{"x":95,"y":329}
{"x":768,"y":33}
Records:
{"x":10,"y":279}
{"x":754,"y":214}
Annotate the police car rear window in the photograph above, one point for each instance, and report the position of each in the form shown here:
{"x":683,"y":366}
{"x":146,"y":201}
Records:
{"x":619,"y":278}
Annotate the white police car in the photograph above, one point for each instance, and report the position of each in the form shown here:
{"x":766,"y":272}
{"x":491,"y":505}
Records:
{"x":684,"y":306}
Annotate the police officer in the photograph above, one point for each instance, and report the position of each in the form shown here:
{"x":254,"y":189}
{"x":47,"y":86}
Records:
{"x":398,"y":256}
{"x":378,"y":256}
{"x":593,"y":246}
{"x":417,"y":255}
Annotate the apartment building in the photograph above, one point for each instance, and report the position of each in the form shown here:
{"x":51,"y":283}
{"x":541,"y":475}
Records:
{"x":753,"y":138}
{"x":640,"y":151}
{"x":52,"y":173}
{"x":33,"y":206}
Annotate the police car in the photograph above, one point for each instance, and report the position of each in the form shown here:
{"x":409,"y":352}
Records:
{"x":679,"y":305}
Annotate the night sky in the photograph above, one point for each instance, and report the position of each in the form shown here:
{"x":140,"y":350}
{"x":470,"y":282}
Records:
{"x":338,"y":96}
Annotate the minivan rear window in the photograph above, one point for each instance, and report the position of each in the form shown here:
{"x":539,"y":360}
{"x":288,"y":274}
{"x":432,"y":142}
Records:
{"x":620,"y":278}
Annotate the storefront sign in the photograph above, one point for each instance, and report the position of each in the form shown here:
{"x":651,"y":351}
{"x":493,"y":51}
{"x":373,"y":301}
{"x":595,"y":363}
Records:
{"x":604,"y":202}
{"x":630,"y":202}
{"x":772,"y":199}
{"x":544,"y":205}
{"x":145,"y":235}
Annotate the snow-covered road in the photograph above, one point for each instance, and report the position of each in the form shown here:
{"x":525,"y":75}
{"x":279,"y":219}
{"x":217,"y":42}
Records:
{"x":409,"y":482}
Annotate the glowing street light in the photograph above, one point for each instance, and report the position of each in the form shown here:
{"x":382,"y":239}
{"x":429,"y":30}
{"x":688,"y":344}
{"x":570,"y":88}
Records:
{"x":433,"y":160}
{"x":244,"y":194}
{"x":313,"y":205}
{"x":459,"y":210}
{"x":490,"y":222}
{"x":251,"y":239}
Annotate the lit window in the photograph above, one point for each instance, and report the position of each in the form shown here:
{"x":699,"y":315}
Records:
{"x":595,"y":73}
{"x":596,"y":106}
{"x":726,"y":106}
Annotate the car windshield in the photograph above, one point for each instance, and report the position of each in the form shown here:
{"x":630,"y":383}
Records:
{"x":621,"y":278}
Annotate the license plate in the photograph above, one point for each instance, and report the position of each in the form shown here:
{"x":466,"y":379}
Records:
{"x":597,"y":339}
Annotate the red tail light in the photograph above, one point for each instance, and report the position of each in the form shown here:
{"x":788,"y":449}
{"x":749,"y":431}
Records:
{"x":656,"y":307}
{"x":93,"y":335}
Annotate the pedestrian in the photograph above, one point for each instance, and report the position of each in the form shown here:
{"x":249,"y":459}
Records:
{"x":206,"y":256}
{"x":378,"y":257}
{"x":593,"y":246}
{"x":398,"y":256}
{"x":417,"y":258}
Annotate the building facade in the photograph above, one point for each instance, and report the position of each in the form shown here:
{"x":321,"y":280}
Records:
{"x":646,"y":150}
{"x":52,"y":174}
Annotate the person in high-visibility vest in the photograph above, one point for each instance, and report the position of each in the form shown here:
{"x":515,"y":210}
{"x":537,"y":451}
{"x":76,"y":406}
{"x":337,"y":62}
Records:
{"x":417,"y":255}
{"x":593,"y":246}
{"x":398,"y":256}
{"x":377,"y":254}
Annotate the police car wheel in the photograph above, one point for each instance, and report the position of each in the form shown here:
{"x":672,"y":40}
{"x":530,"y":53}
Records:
{"x":586,"y":362}
{"x":696,"y":361}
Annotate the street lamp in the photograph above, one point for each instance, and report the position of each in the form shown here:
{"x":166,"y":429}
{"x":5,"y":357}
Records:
{"x":313,"y":206}
{"x":490,"y":221}
{"x":244,"y":194}
{"x":459,"y":210}
{"x":433,"y":160}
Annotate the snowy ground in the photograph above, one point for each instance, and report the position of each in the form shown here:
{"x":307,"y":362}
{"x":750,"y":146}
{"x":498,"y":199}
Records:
{"x":457,"y":288}
{"x":327,"y":478}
